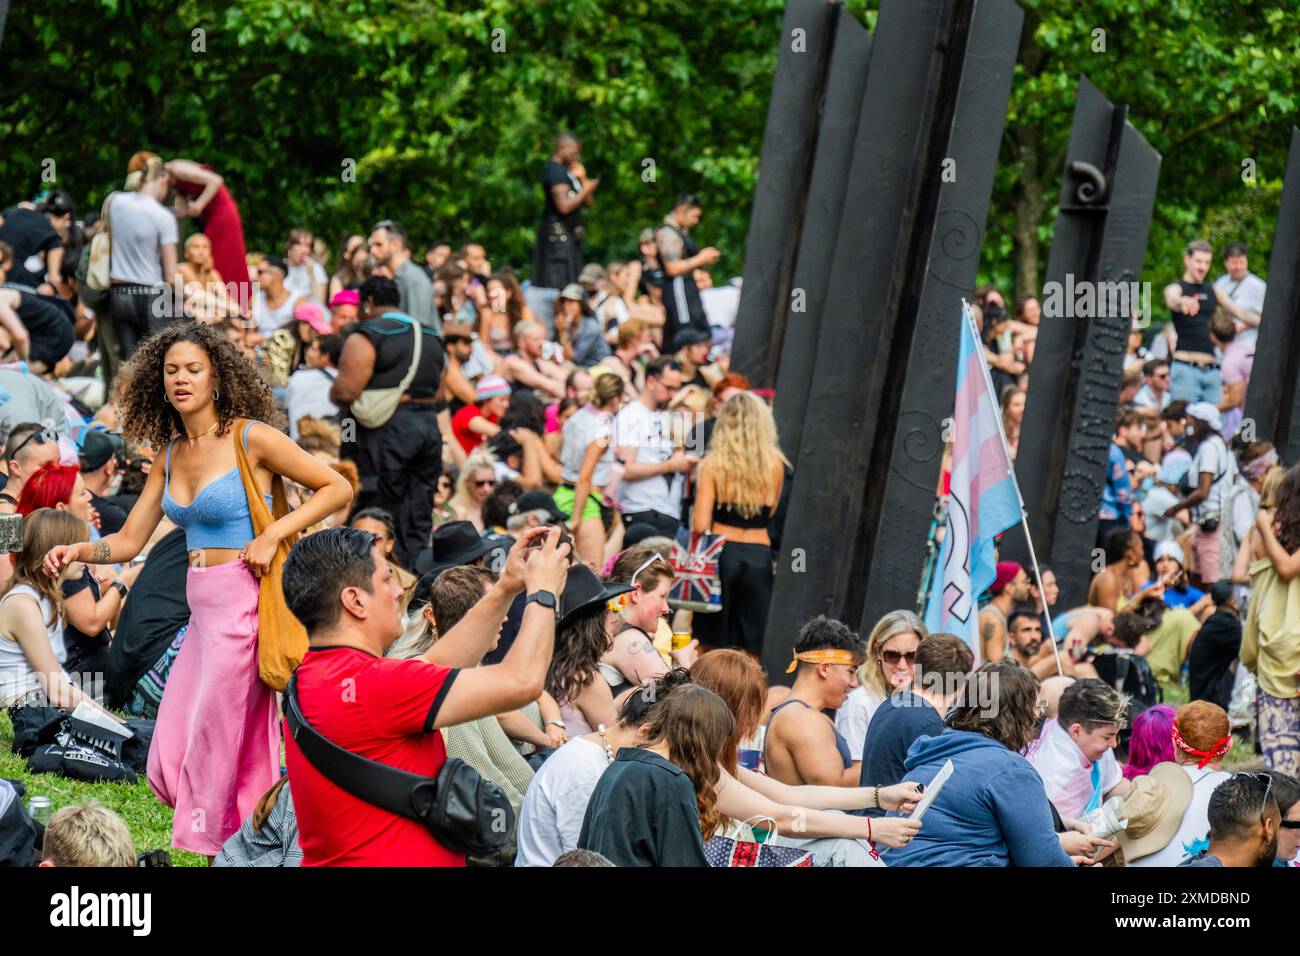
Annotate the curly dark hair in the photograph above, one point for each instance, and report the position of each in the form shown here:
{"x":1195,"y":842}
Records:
{"x":1012,"y":720}
{"x":579,"y":646}
{"x":1287,"y":513}
{"x":148,"y":417}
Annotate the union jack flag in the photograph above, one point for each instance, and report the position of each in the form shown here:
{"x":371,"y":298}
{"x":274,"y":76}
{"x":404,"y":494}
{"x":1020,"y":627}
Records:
{"x":698,"y":586}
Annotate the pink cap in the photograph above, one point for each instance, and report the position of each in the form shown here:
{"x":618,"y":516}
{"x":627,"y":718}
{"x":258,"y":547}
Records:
{"x":313,"y":315}
{"x":1006,"y":573}
{"x":345,"y":297}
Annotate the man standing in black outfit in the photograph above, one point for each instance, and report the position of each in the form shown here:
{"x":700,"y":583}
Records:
{"x":1191,"y":303}
{"x":1209,"y":660}
{"x":679,"y":257}
{"x":400,"y":459}
{"x":566,"y":188}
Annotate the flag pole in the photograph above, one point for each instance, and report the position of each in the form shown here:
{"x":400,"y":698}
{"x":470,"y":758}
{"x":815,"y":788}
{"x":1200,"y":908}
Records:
{"x":1024,"y":518}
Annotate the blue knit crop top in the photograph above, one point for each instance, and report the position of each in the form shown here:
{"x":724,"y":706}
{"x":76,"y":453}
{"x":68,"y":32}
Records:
{"x":218,"y":516}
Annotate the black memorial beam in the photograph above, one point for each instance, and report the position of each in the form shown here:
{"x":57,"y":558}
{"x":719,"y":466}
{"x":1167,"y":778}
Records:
{"x":808,"y":297}
{"x":917,"y":57}
{"x":922,"y":375}
{"x":784,"y":167}
{"x":1273,"y":399}
{"x":1092,"y":292}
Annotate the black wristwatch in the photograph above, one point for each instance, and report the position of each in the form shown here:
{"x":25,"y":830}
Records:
{"x":544,"y":598}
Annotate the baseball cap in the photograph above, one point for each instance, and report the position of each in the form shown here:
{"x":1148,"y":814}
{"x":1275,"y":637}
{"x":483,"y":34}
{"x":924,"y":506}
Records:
{"x":97,"y":448}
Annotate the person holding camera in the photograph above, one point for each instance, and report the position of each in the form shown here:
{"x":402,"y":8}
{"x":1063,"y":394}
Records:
{"x":1208,"y":481}
{"x":339,"y":584}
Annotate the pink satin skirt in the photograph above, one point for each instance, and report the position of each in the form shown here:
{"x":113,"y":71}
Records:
{"x":216,"y":744}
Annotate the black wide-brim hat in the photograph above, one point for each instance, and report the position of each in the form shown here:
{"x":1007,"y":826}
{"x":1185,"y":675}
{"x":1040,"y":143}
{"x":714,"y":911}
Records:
{"x":584,"y":591}
{"x":454,"y":543}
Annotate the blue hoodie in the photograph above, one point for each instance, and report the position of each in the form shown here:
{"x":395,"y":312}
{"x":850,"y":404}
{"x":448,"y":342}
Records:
{"x":993,"y":811}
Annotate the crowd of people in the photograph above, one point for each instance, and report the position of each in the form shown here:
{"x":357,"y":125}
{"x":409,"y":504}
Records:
{"x":428,"y":523}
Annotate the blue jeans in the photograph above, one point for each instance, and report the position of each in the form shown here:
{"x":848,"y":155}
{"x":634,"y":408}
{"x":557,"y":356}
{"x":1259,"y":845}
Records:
{"x":1191,"y":383}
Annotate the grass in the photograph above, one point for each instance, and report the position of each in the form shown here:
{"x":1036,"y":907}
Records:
{"x":1241,"y":757}
{"x":149,"y":821}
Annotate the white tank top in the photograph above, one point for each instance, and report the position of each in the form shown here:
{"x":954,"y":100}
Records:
{"x":16,"y":675}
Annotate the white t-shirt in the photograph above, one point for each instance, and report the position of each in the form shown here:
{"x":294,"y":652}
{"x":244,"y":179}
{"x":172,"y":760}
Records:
{"x":268,"y":319}
{"x":1248,"y":293}
{"x":585,"y":426}
{"x":141,"y":226}
{"x":1213,"y":456}
{"x":638,"y":427}
{"x":854,"y":717}
{"x":309,"y":394}
{"x":16,"y":675}
{"x":555,"y":803}
{"x":1193,"y":834}
{"x":1068,"y":776}
{"x":300,"y":278}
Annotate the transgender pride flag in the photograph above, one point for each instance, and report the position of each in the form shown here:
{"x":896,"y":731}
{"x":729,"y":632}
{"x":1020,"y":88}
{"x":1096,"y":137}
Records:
{"x":984,"y":499}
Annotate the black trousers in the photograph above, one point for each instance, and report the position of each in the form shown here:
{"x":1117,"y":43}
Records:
{"x":651,"y":524}
{"x":746,"y":572}
{"x":399,"y":464}
{"x":135,"y":312}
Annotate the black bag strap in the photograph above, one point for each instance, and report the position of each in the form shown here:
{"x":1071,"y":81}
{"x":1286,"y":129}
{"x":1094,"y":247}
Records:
{"x":397,"y":791}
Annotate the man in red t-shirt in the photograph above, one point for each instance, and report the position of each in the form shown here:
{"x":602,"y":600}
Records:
{"x":342,"y":588}
{"x":475,"y":424}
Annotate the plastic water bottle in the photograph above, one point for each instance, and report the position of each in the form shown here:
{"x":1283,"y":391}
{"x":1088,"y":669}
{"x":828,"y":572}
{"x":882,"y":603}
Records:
{"x":40,"y":808}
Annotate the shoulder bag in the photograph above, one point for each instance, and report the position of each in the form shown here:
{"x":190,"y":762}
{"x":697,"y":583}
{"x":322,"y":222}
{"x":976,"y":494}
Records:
{"x":375,"y":406}
{"x":464,"y":812}
{"x":281,"y":638}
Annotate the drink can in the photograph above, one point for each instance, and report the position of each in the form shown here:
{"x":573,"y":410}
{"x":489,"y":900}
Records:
{"x":681,"y":639}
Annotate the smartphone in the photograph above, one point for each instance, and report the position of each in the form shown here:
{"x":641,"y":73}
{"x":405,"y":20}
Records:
{"x":565,"y":537}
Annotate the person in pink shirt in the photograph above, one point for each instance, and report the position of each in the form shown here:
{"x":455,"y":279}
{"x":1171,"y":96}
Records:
{"x":1234,"y":369}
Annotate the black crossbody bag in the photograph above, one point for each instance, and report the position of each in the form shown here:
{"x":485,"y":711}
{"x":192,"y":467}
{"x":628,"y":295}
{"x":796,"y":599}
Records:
{"x":464,"y":812}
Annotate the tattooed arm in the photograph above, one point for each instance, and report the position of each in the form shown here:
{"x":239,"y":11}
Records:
{"x":992,"y":638}
{"x":125,"y":544}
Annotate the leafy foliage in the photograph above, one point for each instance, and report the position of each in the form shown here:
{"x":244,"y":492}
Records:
{"x":448,"y":109}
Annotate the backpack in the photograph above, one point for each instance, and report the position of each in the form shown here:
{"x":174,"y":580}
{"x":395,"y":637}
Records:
{"x":1129,"y":674}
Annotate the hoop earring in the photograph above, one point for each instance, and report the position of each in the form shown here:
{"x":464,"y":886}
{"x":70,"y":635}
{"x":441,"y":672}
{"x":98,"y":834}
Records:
{"x":165,"y":398}
{"x":216,"y":396}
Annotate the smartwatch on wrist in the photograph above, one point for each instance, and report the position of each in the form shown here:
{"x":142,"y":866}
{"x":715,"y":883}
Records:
{"x":120,"y":587}
{"x":545,"y":599}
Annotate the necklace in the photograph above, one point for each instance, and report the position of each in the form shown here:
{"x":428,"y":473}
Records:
{"x":193,"y":438}
{"x":604,"y":739}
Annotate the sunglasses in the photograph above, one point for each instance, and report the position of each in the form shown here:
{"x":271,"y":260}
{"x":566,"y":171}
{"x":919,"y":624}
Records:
{"x":486,"y":483}
{"x":38,"y":437}
{"x":893,"y":657}
{"x":649,"y":561}
{"x":1268,"y":789}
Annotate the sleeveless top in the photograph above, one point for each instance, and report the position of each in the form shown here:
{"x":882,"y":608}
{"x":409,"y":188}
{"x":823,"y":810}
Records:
{"x":728,"y":515}
{"x":1194,"y":330}
{"x":218,"y":517}
{"x":841,"y":744}
{"x":16,"y":675}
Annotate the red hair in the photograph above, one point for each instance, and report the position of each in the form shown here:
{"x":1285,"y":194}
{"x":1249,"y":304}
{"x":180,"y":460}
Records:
{"x":49,"y":485}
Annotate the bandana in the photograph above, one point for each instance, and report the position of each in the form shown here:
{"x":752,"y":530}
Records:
{"x":826,"y":656}
{"x":1256,"y":469}
{"x":1221,"y":747}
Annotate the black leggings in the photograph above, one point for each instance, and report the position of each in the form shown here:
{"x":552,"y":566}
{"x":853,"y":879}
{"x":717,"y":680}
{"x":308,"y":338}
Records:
{"x":746,"y":572}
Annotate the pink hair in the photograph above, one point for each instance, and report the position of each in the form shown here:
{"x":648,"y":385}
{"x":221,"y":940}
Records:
{"x":1152,"y":740}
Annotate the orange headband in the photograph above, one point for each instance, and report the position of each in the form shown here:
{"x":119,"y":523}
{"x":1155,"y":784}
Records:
{"x":825,"y":656}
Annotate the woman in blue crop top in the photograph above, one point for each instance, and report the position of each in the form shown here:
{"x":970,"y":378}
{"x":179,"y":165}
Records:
{"x":216,"y":744}
{"x":738,"y":486}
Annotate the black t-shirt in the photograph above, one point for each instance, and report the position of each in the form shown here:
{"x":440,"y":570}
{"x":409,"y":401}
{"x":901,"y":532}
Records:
{"x":111,"y":517}
{"x":393,"y":342}
{"x":27,"y":233}
{"x":1194,"y":330}
{"x":1216,"y":646}
{"x":896,"y":724}
{"x":651,"y":276}
{"x":82,"y":646}
{"x":554,"y":174}
{"x":154,"y":611}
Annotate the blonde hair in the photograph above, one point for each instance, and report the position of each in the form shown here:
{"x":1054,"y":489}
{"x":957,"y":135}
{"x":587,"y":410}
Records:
{"x":871,"y":673}
{"x":1268,"y":489}
{"x":604,"y":389}
{"x":481,"y":459}
{"x":88,"y":834}
{"x":743,"y":453}
{"x":44,"y":529}
{"x":143,"y":167}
